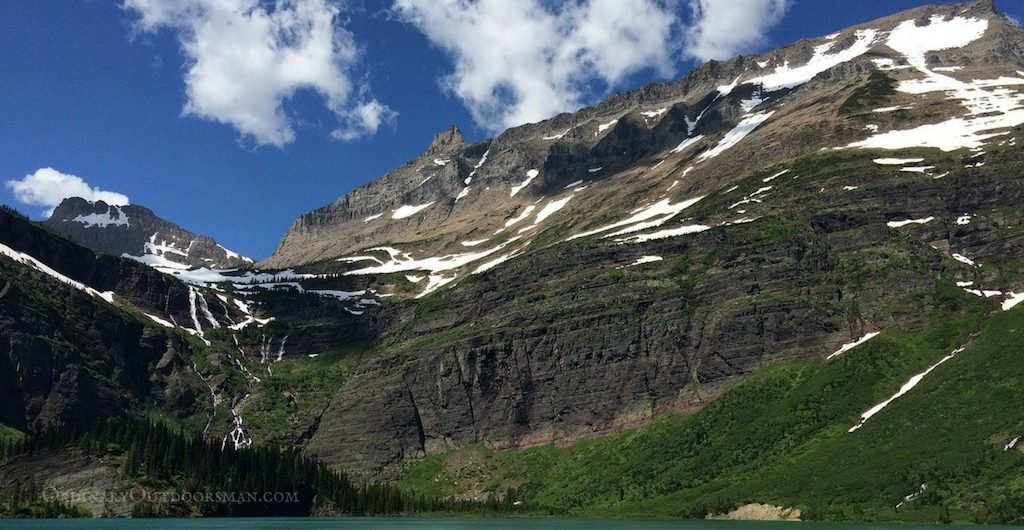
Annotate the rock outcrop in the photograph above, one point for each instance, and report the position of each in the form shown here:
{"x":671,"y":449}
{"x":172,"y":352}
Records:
{"x":135,"y":231}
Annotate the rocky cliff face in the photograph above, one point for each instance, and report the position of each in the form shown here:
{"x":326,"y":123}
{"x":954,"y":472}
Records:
{"x":75,"y":350}
{"x":595,"y":270}
{"x":585,"y":338}
{"x":136,"y":232}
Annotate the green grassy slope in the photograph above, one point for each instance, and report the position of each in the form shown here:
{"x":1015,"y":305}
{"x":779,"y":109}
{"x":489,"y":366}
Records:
{"x":781,"y":436}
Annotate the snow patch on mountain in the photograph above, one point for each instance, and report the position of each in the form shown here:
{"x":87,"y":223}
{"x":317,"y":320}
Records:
{"x":530,"y":175}
{"x":687,"y":143}
{"x":822,"y":60}
{"x":851,"y":345}
{"x":664,"y":234}
{"x":900,"y":224}
{"x":234,"y":255}
{"x":160,"y":321}
{"x":897,"y":161}
{"x":114,"y":216}
{"x":33,"y":263}
{"x":737,"y":134}
{"x":725,"y":90}
{"x":1012,"y":300}
{"x":964,"y":259}
{"x":884,"y":110}
{"x":644,"y":260}
{"x":483,"y":160}
{"x":548,"y":210}
{"x":643,"y":218}
{"x":401,"y":261}
{"x":917,"y":169}
{"x":914,"y":41}
{"x":405,"y":211}
{"x":907,"y":387}
{"x":159,"y":253}
{"x":605,"y":126}
{"x":521,"y":217}
{"x":991,"y":107}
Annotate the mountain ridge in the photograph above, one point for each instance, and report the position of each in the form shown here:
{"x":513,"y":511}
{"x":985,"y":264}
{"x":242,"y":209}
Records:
{"x":136,"y":232}
{"x":353,"y":222}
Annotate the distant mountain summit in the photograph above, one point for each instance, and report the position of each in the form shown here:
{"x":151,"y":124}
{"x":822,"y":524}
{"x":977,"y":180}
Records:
{"x":135,"y":232}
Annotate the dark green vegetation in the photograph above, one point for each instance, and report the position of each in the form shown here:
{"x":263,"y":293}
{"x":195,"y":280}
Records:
{"x":155,"y":463}
{"x":299,"y":389}
{"x":780,"y":437}
{"x":875,"y":90}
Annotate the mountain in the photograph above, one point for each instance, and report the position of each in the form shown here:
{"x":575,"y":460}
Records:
{"x":786,"y":282}
{"x":136,"y":232}
{"x":602,"y":268}
{"x":756,"y":110}
{"x":77,"y":347}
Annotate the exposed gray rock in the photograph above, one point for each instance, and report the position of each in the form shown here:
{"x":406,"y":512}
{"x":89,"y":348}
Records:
{"x":134,"y":230}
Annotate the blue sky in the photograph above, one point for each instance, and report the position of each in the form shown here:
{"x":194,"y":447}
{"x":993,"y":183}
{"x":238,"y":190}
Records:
{"x":98,"y":90}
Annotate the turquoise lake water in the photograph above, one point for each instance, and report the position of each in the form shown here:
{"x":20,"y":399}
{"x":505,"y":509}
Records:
{"x":383,"y":523}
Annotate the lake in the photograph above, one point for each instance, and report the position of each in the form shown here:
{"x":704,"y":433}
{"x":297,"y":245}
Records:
{"x":388,"y":523}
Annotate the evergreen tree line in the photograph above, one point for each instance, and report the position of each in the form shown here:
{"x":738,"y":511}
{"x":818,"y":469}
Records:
{"x":13,"y":211}
{"x":261,"y":481}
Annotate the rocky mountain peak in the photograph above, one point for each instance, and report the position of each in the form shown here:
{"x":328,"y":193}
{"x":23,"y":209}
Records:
{"x":447,"y":141}
{"x":136,"y":232}
{"x":983,"y":6}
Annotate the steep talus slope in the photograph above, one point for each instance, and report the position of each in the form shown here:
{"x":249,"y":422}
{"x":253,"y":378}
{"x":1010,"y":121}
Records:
{"x":135,"y":231}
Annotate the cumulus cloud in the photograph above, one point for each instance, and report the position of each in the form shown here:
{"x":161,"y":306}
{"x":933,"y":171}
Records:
{"x":48,"y":187}
{"x":523,"y":61}
{"x":245,"y":58}
{"x":724,"y":28}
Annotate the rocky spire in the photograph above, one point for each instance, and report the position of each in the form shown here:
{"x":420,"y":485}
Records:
{"x":445,"y":142}
{"x":980,"y":7}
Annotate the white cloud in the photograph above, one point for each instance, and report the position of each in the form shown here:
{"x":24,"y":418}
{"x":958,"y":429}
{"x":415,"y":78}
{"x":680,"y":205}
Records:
{"x":245,"y":58}
{"x":724,"y":28}
{"x":525,"y":60}
{"x":48,"y":187}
